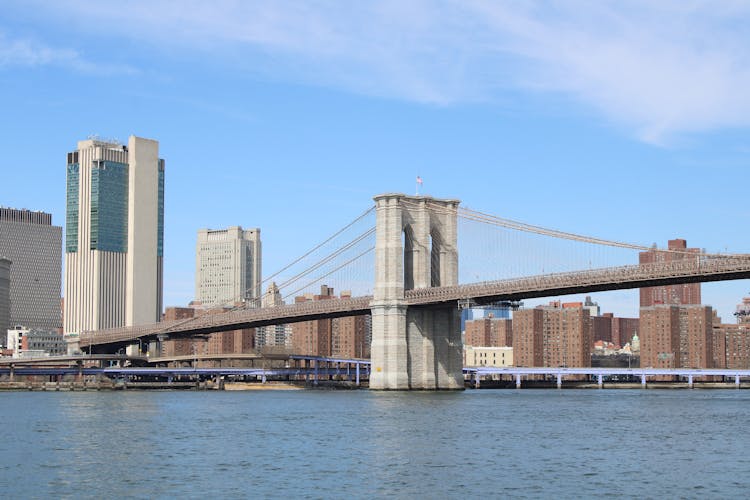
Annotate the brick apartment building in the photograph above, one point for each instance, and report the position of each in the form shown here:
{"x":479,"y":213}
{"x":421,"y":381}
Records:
{"x":609,"y":328}
{"x":340,"y":337}
{"x":677,"y":336}
{"x":552,"y":336}
{"x":688,"y":293}
{"x":489,"y":332}
{"x":731,"y":342}
{"x":240,"y":341}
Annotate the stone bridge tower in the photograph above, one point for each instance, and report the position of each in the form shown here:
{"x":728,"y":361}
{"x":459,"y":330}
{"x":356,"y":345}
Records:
{"x":417,"y":347}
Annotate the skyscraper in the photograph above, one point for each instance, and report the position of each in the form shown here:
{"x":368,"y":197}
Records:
{"x":34,"y":246}
{"x":4,"y":295}
{"x":114,"y":235}
{"x":227,"y":266}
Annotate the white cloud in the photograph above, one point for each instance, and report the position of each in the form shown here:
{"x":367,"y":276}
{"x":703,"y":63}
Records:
{"x":30,"y":53}
{"x":658,"y":68}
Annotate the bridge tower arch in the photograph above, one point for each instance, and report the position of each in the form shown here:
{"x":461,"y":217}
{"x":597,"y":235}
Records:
{"x":416,"y":247}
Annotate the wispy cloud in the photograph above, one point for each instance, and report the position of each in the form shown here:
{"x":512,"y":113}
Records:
{"x":657,"y":68}
{"x":31,"y":53}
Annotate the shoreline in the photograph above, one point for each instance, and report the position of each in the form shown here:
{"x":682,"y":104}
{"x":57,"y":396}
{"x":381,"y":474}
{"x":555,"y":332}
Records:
{"x":109,"y":385}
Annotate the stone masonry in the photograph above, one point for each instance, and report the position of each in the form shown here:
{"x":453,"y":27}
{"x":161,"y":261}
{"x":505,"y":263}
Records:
{"x":416,"y":247}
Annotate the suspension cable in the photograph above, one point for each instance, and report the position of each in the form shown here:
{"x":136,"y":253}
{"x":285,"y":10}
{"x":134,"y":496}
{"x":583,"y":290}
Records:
{"x":469,"y":214}
{"x":362,"y":216}
{"x":329,"y":273}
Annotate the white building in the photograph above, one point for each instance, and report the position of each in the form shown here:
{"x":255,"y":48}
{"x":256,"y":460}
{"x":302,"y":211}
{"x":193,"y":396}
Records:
{"x":488,"y":356}
{"x":227,"y":266}
{"x":35,"y":342}
{"x":114,"y":235}
{"x":273,"y":335}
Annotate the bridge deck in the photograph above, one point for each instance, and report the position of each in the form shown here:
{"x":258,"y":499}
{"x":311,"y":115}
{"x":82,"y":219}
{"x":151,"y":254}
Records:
{"x":701,"y":269}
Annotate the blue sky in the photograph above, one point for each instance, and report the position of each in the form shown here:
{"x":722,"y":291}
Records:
{"x":622,"y":120}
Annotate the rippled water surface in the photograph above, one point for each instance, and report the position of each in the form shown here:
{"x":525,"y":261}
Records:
{"x":336,"y":444}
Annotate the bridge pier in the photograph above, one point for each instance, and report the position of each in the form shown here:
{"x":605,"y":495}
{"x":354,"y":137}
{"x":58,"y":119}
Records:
{"x":417,"y":347}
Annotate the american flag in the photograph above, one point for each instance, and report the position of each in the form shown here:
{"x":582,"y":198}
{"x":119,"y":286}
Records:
{"x":419,"y":180}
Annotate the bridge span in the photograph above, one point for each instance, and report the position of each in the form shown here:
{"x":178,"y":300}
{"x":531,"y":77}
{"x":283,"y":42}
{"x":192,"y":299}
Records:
{"x":416,"y":338}
{"x":702,"y":269}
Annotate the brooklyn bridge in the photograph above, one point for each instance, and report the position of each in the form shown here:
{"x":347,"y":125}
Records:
{"x":412,"y":271}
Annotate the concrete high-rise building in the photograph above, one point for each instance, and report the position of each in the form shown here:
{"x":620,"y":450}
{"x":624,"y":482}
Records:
{"x":552,"y":336}
{"x":593,"y":307}
{"x":227,"y":266}
{"x":687,"y":293}
{"x":114,"y":235}
{"x":278,"y":337}
{"x":677,"y":336}
{"x":34,"y":246}
{"x":4,"y":294}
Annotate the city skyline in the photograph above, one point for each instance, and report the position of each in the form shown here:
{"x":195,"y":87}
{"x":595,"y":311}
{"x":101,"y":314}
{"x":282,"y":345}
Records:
{"x":295,"y":118}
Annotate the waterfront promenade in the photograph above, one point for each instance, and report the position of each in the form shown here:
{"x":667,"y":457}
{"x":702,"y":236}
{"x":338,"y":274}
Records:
{"x":89,"y":372}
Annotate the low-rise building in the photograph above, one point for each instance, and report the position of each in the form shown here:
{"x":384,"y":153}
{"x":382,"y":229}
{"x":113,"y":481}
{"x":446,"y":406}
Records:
{"x":488,"y":356}
{"x":24,"y":342}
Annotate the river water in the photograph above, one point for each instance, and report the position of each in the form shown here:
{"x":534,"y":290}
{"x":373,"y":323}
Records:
{"x":341,"y":444}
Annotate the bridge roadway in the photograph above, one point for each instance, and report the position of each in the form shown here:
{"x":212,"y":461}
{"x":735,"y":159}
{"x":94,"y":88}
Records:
{"x":699,"y":269}
{"x":74,"y":359}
